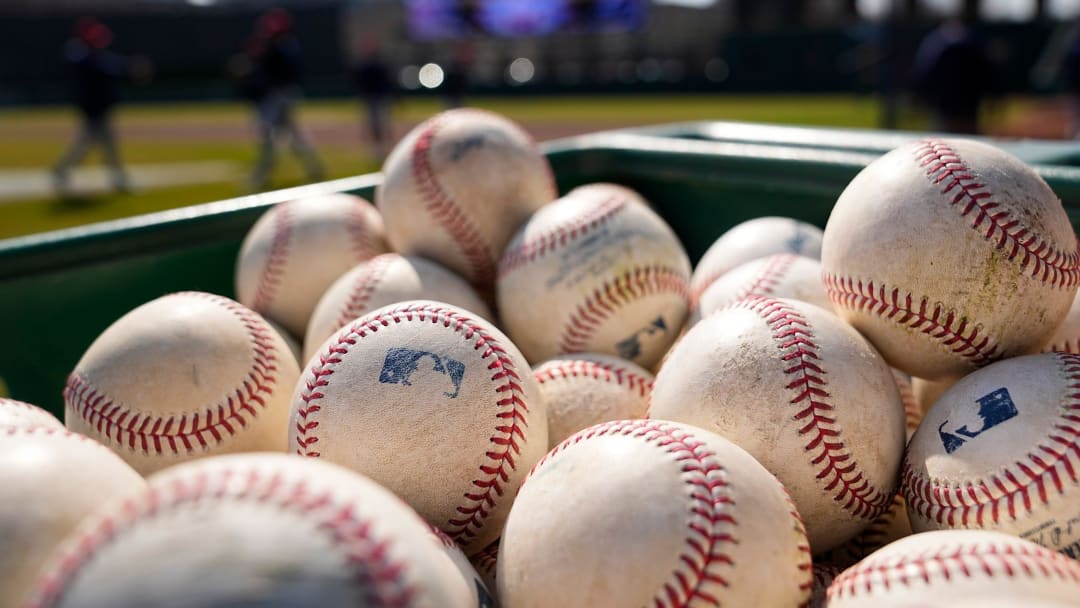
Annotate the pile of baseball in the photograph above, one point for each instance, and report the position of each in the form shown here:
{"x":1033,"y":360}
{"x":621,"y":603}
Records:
{"x":448,"y":398}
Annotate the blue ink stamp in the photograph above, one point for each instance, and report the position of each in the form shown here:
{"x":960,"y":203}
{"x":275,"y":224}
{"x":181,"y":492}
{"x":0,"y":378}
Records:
{"x":994,"y":408}
{"x":461,"y":147}
{"x":630,"y":348}
{"x":400,"y":363}
{"x":797,"y":240}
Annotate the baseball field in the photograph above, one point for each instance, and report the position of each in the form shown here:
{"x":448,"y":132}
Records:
{"x":181,"y":155}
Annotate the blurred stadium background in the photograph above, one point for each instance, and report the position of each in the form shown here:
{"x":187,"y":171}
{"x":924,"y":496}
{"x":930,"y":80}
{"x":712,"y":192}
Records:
{"x":560,"y":67}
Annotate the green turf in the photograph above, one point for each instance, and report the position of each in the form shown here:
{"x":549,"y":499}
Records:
{"x":164,"y":133}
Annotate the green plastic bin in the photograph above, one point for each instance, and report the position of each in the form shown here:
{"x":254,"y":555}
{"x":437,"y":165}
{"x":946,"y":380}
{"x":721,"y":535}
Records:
{"x":59,"y":290}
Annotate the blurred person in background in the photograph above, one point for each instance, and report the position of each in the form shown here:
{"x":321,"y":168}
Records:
{"x":375,"y":85}
{"x":274,"y":69}
{"x":953,"y":75}
{"x":96,"y":72}
{"x":1071,"y":73}
{"x":456,"y":79}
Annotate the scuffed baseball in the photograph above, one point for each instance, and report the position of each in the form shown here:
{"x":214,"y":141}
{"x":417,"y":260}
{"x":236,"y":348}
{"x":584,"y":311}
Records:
{"x":750,"y":240}
{"x":949,"y":255}
{"x":457,"y":186}
{"x":432,"y":402}
{"x":595,"y":271}
{"x":21,"y":414}
{"x":998,"y":451}
{"x":254,"y":530}
{"x":297,"y":249}
{"x":958,"y":568}
{"x":648,"y":512}
{"x":587,"y":389}
{"x":387,"y":279}
{"x":1066,"y":338}
{"x":782,"y":275}
{"x":184,"y":376}
{"x":50,"y":480}
{"x":802,"y":392}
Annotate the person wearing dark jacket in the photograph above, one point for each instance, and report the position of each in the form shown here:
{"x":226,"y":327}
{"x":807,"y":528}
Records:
{"x":376,"y":88}
{"x":953,"y":75}
{"x":274,"y":87}
{"x":97,"y":73}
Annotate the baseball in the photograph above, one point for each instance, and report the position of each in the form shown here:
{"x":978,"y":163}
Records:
{"x":949,"y":255}
{"x":456,"y":188}
{"x":20,"y":414}
{"x":432,"y":402}
{"x":782,"y":275}
{"x":387,"y":279}
{"x":49,"y":482}
{"x":184,"y":376}
{"x":253,"y":530}
{"x":802,"y":392}
{"x":604,"y":274}
{"x":958,"y":567}
{"x":997,"y":452}
{"x":587,"y":389}
{"x":298,"y":248}
{"x":750,"y":240}
{"x":647,"y":512}
{"x":1066,"y":338}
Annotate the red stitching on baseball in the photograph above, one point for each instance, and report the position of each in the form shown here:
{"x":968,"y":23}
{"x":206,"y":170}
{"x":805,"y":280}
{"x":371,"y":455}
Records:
{"x":510,"y":420}
{"x":1071,"y":346}
{"x":943,"y":165}
{"x":710,"y":498}
{"x":22,"y":405}
{"x":486,"y":560}
{"x":443,"y":208}
{"x":957,"y":561}
{"x":766,"y":280}
{"x":189,"y":431}
{"x":951,"y":329}
{"x":11,"y":431}
{"x":806,"y":375}
{"x":380,"y":577}
{"x":605,"y":300}
{"x":561,"y":234}
{"x":606,"y":372}
{"x":1004,"y":493}
{"x":805,"y":565}
{"x":363,"y":286}
{"x":274,"y":271}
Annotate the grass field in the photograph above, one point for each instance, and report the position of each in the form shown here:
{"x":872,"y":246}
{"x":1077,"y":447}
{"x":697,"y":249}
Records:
{"x":35,"y":138}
